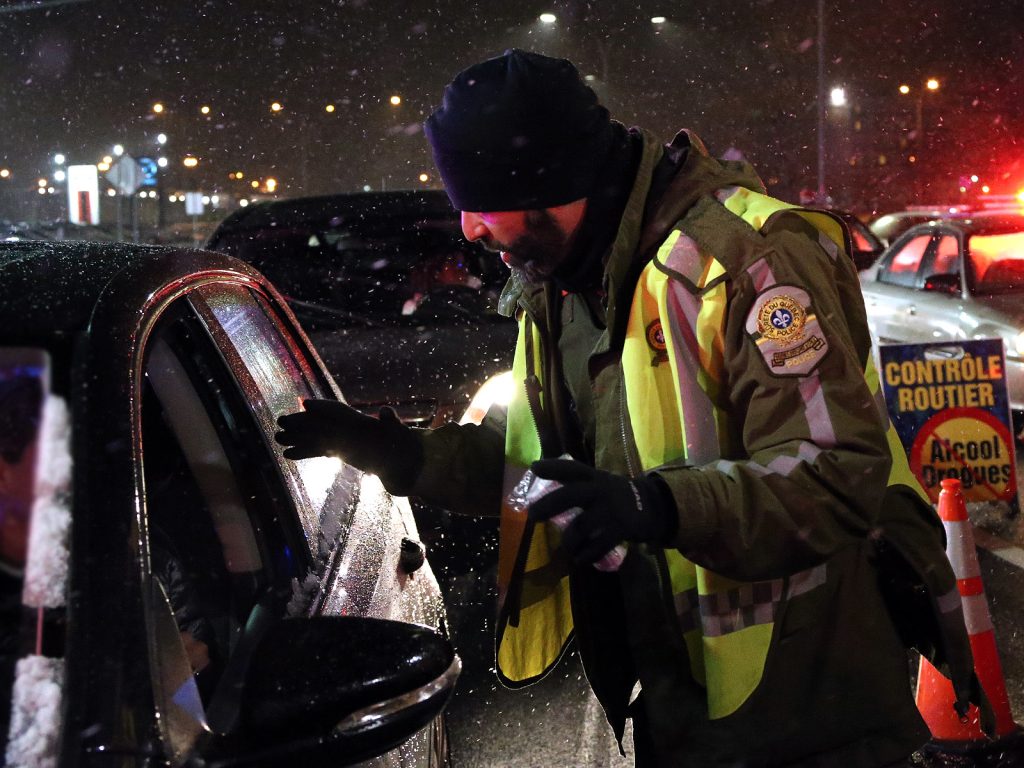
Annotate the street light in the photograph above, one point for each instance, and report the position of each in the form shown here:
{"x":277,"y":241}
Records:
{"x":931,"y":84}
{"x":548,"y":18}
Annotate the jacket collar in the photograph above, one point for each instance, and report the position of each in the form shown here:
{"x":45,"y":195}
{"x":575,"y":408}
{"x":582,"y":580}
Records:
{"x":645,"y":222}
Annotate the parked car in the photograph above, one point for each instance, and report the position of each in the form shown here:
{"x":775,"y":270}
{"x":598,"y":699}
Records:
{"x":174,"y":591}
{"x":400,"y":306}
{"x":866,"y":247}
{"x":951,"y":280}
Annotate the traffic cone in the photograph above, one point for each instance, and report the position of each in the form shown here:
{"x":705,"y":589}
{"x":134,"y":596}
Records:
{"x":935,"y":695}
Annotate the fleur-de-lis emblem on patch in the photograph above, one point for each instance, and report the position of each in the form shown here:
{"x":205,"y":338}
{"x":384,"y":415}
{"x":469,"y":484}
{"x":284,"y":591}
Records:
{"x":781,"y":318}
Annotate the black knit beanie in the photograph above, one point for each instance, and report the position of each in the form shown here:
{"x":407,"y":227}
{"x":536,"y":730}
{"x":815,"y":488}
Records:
{"x":516,"y":132}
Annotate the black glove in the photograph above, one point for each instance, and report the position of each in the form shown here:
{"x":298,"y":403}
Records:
{"x":615,"y":508}
{"x":383,"y":446}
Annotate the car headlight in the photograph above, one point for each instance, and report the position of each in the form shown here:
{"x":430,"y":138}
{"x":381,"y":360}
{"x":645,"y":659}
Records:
{"x":497,"y":390}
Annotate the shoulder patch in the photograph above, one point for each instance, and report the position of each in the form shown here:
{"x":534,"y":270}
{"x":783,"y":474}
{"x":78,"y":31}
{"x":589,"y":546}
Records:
{"x":786,"y":331}
{"x":656,"y":341}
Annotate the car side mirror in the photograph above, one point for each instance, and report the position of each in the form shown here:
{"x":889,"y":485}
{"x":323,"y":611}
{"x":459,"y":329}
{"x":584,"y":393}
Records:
{"x":333,"y":691}
{"x":943,"y":283}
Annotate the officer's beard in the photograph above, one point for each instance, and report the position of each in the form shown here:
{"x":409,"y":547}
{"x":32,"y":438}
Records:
{"x":539,"y":251}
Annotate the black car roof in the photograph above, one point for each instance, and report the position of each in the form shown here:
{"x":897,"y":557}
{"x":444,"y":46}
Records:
{"x":307,"y":210}
{"x":48,"y":290}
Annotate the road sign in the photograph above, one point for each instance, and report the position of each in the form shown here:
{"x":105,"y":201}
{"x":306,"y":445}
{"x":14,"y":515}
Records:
{"x":194,"y":203}
{"x":126,"y":175}
{"x":970,"y":445}
{"x":83,"y":194}
{"x":950,"y":407}
{"x":149,"y":171}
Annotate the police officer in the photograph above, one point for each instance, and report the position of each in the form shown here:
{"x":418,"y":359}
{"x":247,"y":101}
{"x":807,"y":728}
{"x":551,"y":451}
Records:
{"x":693,"y":370}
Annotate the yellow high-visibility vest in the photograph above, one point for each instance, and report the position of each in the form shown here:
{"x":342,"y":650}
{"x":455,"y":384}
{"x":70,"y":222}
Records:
{"x":727,"y":625}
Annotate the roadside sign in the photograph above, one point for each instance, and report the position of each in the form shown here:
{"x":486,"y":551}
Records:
{"x":126,"y":175}
{"x":194,"y":203}
{"x":951,"y":409}
{"x":83,"y":194}
{"x":148,"y":171}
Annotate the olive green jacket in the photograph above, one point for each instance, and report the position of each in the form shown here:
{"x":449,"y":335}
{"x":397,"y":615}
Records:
{"x":802,"y":482}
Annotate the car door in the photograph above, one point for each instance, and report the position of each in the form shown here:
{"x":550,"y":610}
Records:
{"x":240,"y":537}
{"x":891,"y":298}
{"x":939,"y":305}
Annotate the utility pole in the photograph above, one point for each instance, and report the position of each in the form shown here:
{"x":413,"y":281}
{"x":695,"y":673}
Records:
{"x":822,"y":194}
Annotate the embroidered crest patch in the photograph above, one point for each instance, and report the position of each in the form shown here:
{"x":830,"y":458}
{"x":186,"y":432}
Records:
{"x":786,"y":331}
{"x":656,"y":341}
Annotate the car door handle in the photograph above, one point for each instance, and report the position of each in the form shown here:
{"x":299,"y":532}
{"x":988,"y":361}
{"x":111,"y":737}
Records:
{"x":412,"y":555}
{"x":911,"y":310}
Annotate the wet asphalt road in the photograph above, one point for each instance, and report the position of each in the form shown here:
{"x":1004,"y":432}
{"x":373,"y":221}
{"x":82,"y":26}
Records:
{"x":556,"y":722}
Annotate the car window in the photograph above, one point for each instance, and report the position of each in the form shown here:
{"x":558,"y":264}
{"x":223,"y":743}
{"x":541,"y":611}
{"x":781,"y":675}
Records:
{"x":385,"y":270}
{"x":998,"y":262}
{"x":860,"y":240}
{"x":221,"y":554}
{"x":236,"y":533}
{"x":277,"y":379}
{"x":901,"y":267}
{"x":947,"y":256}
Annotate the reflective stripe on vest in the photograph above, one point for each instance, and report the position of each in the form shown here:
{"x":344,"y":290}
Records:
{"x":671,"y":375}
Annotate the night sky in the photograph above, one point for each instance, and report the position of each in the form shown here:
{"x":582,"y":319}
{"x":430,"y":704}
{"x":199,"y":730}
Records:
{"x":77,"y":77}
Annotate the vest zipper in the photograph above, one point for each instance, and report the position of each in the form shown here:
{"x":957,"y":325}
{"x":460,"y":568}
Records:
{"x":628,"y":446}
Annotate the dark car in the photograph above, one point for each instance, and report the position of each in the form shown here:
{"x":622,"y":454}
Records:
{"x":954,"y":279}
{"x":400,"y":306}
{"x":866,"y":247}
{"x":174,"y":591}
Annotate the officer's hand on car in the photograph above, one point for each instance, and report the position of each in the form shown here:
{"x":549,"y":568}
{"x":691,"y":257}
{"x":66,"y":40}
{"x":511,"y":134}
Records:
{"x":614,"y":508}
{"x":383,"y":446}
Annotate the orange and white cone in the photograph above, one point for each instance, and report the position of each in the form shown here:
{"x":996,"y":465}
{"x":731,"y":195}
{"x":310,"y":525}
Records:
{"x":935,"y":695}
